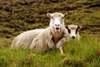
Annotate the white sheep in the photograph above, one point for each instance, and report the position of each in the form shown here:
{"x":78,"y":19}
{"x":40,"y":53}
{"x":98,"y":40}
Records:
{"x":44,"y":39}
{"x":73,"y":31}
{"x":24,"y":38}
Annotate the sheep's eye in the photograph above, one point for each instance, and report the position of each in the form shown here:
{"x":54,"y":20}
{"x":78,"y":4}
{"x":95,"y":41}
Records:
{"x":52,"y":18}
{"x":62,"y":17}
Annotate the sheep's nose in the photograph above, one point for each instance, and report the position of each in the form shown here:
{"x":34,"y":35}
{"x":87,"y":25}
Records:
{"x":73,"y":37}
{"x":57,"y":24}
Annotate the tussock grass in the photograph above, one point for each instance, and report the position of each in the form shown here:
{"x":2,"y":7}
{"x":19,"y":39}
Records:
{"x":83,"y":53}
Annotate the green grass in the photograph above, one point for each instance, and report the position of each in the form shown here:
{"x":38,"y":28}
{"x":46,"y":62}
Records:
{"x":83,"y":53}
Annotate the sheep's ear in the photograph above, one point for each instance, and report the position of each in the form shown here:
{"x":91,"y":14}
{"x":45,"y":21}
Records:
{"x":65,"y":14}
{"x":79,"y":27}
{"x":48,"y":15}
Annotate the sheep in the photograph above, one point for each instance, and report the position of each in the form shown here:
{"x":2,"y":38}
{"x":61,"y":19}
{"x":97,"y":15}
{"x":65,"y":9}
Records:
{"x":23,"y":39}
{"x":44,"y":39}
{"x":73,"y":31}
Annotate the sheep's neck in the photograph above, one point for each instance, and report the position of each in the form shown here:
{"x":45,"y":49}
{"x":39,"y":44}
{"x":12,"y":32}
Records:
{"x":56,"y":36}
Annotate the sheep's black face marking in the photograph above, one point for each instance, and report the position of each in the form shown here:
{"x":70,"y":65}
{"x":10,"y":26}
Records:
{"x":77,"y":29}
{"x":68,"y":30}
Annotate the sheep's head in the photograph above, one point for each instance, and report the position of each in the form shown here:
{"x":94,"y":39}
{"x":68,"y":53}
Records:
{"x":57,"y":21}
{"x":73,"y":30}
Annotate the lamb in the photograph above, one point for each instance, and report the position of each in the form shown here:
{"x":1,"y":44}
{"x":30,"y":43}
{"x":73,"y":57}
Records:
{"x":52,"y":37}
{"x":73,"y":31}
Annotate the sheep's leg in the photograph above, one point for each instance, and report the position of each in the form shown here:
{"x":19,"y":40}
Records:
{"x":51,"y":44}
{"x":61,"y":41}
{"x":61,"y":50}
{"x":33,"y":44}
{"x":60,"y":45}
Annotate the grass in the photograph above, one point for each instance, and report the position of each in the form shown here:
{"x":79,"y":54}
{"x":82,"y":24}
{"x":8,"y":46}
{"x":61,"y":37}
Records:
{"x":83,"y":53}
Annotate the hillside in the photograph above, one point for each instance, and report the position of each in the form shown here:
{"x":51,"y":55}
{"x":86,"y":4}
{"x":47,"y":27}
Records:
{"x":17,"y":16}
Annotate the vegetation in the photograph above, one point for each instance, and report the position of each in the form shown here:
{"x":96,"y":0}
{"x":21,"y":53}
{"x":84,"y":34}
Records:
{"x":83,"y":53}
{"x":17,"y":16}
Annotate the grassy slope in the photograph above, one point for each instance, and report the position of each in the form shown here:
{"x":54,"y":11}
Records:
{"x":83,"y":53}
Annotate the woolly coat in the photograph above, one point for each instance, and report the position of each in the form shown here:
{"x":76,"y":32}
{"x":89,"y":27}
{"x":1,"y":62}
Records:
{"x":41,"y":39}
